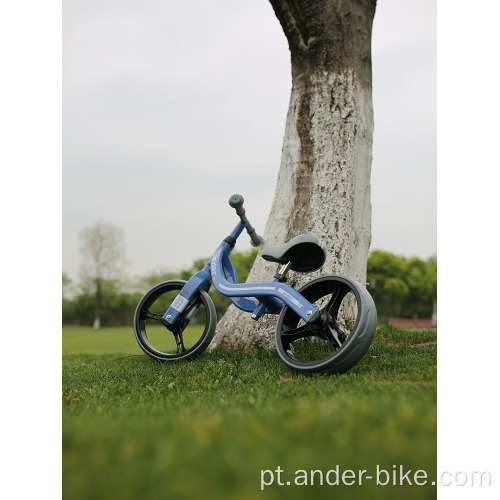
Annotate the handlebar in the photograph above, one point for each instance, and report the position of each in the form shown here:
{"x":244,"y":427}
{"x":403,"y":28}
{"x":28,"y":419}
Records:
{"x":255,"y":239}
{"x":236,"y":202}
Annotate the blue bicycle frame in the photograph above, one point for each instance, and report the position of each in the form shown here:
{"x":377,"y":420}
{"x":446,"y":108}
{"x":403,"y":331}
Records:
{"x":257,"y":298}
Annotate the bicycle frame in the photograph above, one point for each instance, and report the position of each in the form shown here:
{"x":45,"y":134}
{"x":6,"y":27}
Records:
{"x":257,"y":298}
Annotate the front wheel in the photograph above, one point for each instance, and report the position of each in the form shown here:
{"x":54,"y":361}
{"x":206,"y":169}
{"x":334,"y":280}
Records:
{"x":190,"y":336}
{"x":350,"y":323}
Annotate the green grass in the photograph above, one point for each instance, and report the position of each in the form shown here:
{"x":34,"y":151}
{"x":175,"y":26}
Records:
{"x":134,"y":428}
{"x":118,"y":340}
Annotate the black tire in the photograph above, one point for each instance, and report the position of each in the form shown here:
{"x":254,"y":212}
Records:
{"x":153,"y":336}
{"x":349,"y":306}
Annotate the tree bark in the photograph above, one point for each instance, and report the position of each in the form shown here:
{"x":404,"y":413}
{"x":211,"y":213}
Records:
{"x":323,"y":183}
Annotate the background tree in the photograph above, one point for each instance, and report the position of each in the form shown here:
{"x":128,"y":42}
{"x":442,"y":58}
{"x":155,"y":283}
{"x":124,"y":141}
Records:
{"x":103,"y":251}
{"x":67,"y":285}
{"x":387,"y":284}
{"x":67,"y":303}
{"x":323,"y":184}
{"x":405,"y":287}
{"x":418,"y":275}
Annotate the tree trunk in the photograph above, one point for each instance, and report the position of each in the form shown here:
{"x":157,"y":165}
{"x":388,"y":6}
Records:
{"x":323,"y":183}
{"x":97,"y":317}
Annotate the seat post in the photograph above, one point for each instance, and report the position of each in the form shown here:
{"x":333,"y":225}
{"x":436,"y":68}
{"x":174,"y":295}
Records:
{"x":280,"y":276}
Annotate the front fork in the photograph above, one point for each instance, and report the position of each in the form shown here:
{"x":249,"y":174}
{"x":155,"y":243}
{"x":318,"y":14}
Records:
{"x":175,"y":318}
{"x":202,"y":280}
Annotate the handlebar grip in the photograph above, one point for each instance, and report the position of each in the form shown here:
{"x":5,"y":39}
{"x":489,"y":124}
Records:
{"x":236,"y":202}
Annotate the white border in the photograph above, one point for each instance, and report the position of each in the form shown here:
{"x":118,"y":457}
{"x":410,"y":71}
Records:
{"x":468,"y":269}
{"x":469,"y":347}
{"x":30,"y":204}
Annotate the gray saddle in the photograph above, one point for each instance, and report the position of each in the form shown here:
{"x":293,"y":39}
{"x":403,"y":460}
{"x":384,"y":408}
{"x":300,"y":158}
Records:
{"x":305,"y":251}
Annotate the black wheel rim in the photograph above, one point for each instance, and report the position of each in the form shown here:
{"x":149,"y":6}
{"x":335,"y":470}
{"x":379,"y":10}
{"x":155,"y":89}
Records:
{"x":172,"y":342}
{"x":302,"y":346}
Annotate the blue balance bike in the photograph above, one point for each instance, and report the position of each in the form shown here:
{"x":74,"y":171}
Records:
{"x":325,"y":326}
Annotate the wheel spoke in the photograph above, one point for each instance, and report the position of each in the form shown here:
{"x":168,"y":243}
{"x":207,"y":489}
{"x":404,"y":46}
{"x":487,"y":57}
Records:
{"x":179,"y":341}
{"x":147,"y":314}
{"x":183,"y":347}
{"x":333,"y":334}
{"x":290,"y":351}
{"x":297,"y":333}
{"x":333,"y":299}
{"x":340,"y":332}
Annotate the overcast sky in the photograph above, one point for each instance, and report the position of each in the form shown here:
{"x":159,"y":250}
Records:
{"x":171,"y":107}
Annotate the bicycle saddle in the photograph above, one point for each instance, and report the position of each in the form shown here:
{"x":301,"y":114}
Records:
{"x":305,"y":251}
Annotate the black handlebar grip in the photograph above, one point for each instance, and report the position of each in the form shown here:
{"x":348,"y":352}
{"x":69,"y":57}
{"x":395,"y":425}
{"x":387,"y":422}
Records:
{"x":236,"y":202}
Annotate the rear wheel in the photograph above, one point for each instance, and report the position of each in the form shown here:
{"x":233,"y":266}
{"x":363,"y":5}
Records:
{"x":192,"y":332}
{"x":350,"y":321}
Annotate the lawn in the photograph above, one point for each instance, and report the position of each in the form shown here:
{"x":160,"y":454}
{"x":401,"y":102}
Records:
{"x":134,"y":428}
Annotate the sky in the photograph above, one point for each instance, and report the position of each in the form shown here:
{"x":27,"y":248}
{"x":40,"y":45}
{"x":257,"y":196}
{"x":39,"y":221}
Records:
{"x":171,"y":107}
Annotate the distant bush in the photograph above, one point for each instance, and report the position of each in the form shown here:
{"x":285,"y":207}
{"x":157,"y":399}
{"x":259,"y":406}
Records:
{"x":402,"y":287}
